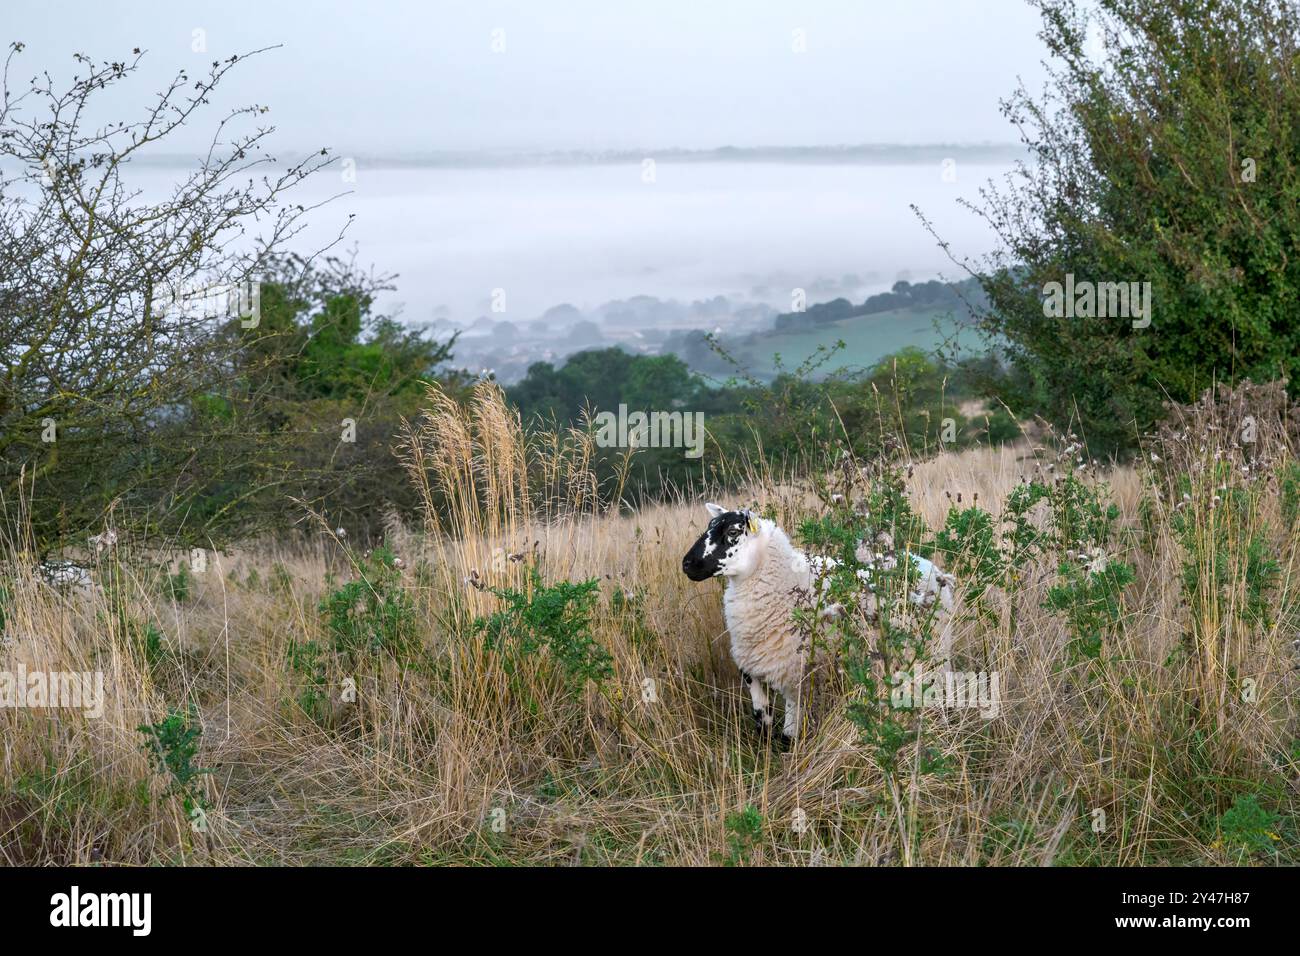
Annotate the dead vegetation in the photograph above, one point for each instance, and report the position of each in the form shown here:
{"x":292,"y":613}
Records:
{"x":459,"y":753}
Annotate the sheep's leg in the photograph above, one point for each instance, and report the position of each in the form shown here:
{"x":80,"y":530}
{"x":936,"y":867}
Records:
{"x":791,"y":729}
{"x":943,"y":646}
{"x":946,"y":620}
{"x":762,"y":703}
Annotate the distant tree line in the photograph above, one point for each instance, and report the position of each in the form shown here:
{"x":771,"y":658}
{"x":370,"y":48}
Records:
{"x":934,"y":295}
{"x":910,"y":399}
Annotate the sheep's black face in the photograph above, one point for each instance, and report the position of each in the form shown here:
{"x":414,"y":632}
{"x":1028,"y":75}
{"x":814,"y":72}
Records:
{"x":723,"y":536}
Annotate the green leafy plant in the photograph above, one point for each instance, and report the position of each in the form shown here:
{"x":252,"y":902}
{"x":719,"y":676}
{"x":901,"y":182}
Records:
{"x":969,"y":546}
{"x":177,"y":587}
{"x":1021,"y":537}
{"x":879,"y":650}
{"x":1079,"y":529}
{"x":307,"y":663}
{"x":172,"y":744}
{"x":744,"y":832}
{"x":554,"y":617}
{"x":373,"y":613}
{"x":1226,"y":544}
{"x":1089,"y":599}
{"x":1248,"y":827}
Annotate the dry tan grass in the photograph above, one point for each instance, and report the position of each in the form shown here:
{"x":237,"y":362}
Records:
{"x":465,"y":759}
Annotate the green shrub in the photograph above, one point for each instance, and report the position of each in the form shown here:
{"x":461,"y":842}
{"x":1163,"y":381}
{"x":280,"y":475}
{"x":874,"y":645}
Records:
{"x":1226,"y":543}
{"x":172,"y":744}
{"x":968,"y":545}
{"x":372,"y":614}
{"x":1165,"y":159}
{"x":744,"y":833}
{"x":1092,"y":581}
{"x":556,"y":618}
{"x":873,"y":656}
{"x":307,"y":663}
{"x":1248,"y":827}
{"x":1089,"y":599}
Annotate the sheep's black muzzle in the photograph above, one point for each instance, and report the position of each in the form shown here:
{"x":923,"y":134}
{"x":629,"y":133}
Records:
{"x":695,"y":570}
{"x":696,"y":567}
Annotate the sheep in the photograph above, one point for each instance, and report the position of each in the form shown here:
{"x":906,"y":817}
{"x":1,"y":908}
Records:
{"x":66,"y":574}
{"x":765,"y":573}
{"x":76,"y":575}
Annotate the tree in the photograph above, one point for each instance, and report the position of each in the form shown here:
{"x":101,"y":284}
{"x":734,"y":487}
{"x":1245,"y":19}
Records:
{"x":659,"y":382}
{"x":603,"y":379}
{"x":322,"y":389}
{"x":107,"y":301}
{"x":1164,"y":153}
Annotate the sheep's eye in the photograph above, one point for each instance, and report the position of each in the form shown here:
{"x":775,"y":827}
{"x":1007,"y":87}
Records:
{"x":733,"y":534}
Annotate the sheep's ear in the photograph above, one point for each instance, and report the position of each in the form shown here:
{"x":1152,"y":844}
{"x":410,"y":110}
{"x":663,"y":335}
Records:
{"x":715,"y":510}
{"x":753,"y":522}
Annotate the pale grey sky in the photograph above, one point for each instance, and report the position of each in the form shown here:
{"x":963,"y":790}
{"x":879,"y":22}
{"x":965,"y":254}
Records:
{"x":411,"y":77}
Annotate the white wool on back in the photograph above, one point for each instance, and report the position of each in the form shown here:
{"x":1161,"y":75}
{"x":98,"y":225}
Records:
{"x":66,"y":574}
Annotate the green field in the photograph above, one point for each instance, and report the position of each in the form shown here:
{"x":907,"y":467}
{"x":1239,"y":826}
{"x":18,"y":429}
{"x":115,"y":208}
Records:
{"x":867,"y":339}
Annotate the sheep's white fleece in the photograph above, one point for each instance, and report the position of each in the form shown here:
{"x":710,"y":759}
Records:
{"x":765,"y":643}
